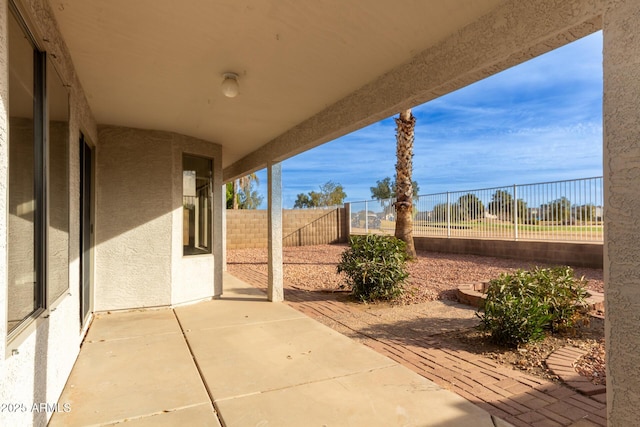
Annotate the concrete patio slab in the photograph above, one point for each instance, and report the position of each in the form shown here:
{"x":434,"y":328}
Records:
{"x":260,"y":357}
{"x":199,"y":415}
{"x":129,"y":378}
{"x":229,"y":312}
{"x":391,"y":396}
{"x":131,"y":324}
{"x":255,"y":363}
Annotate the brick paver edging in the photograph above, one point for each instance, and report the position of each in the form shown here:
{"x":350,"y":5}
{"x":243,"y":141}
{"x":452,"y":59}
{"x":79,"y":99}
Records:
{"x":561,"y":362}
{"x":520,"y":399}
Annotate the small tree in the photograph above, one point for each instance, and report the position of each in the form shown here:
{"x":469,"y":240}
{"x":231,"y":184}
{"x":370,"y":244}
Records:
{"x":331,"y":194}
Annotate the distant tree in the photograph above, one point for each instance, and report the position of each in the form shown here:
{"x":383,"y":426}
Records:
{"x":310,"y":200}
{"x":229,"y":195}
{"x":523,"y":211}
{"x":331,"y":194}
{"x":440,"y":212}
{"x":470,"y":207}
{"x":558,"y":210}
{"x":250,"y":199}
{"x":385,"y":190}
{"x":454,"y":210}
{"x":585,"y":212}
{"x":242,"y":195}
{"x":501,"y":205}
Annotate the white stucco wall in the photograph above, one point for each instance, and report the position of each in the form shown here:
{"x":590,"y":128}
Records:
{"x":4,"y":162}
{"x":193,"y":277}
{"x":139,"y":261}
{"x":133,"y":219}
{"x":45,"y":353}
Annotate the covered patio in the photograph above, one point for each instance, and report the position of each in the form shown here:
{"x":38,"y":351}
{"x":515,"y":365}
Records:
{"x":117,"y":137}
{"x":259,"y":364}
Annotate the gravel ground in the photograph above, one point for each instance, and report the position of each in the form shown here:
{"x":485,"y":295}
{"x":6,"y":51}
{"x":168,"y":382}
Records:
{"x":432,"y":276}
{"x":435,"y":276}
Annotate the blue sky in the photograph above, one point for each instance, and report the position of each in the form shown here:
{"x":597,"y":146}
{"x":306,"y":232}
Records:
{"x":536,"y":122}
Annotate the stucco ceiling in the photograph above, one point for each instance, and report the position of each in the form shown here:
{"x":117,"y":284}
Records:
{"x":158,"y":64}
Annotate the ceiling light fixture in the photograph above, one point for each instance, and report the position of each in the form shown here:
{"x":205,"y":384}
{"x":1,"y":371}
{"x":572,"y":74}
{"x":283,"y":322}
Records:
{"x":230,"y":86}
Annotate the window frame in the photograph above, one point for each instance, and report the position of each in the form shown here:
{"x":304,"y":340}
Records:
{"x":209,"y":199}
{"x":42,"y":301}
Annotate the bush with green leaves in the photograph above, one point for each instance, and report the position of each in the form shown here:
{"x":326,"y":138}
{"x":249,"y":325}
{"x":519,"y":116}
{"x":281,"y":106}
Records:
{"x":522,"y":306}
{"x":563,"y":293}
{"x":374,"y":266}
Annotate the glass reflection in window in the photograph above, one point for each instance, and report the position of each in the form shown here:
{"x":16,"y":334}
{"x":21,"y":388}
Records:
{"x":23,"y":296}
{"x":196,"y":203}
{"x":58,"y":231}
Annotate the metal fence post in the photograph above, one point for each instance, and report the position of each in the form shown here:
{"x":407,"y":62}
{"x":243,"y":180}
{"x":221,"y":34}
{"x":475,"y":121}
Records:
{"x":448,"y":216}
{"x":366,"y":217}
{"x":515,"y":212}
{"x":347,"y":218}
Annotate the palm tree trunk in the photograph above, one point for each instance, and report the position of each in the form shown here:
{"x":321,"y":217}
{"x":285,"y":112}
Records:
{"x":404,"y":189}
{"x":235,"y":193}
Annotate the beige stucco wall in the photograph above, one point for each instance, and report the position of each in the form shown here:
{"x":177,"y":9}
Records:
{"x":139,"y":221}
{"x":46,"y":351}
{"x":622,"y":209}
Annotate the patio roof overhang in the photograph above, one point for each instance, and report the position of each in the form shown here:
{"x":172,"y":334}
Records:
{"x":309,"y":72}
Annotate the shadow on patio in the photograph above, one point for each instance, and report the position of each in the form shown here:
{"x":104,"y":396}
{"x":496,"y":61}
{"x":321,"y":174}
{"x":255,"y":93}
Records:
{"x":242,"y":361}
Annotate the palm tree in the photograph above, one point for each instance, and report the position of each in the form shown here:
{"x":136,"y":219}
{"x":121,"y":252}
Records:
{"x":405,"y":133}
{"x":243,"y":184}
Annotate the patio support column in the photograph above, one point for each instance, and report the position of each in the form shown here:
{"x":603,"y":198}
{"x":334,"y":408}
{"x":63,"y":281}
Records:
{"x":224,"y":227}
{"x":275,"y":290}
{"x":219,"y":235}
{"x":621,"y":126}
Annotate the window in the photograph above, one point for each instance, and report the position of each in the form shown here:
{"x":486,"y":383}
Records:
{"x":58,"y":230}
{"x":38,"y":223}
{"x":196,"y":202}
{"x":25,"y":183}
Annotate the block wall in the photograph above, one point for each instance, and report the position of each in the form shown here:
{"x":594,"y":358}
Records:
{"x":573,"y":254}
{"x":248,"y":228}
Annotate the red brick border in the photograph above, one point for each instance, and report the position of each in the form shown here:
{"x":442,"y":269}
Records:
{"x":561,"y":363}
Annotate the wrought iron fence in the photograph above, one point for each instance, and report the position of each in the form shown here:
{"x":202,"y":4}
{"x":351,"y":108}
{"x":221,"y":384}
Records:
{"x":569,"y":210}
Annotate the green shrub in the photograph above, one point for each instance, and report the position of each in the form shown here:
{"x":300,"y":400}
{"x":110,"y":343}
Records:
{"x":375,"y":267}
{"x":520,"y":307}
{"x":563,"y":293}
